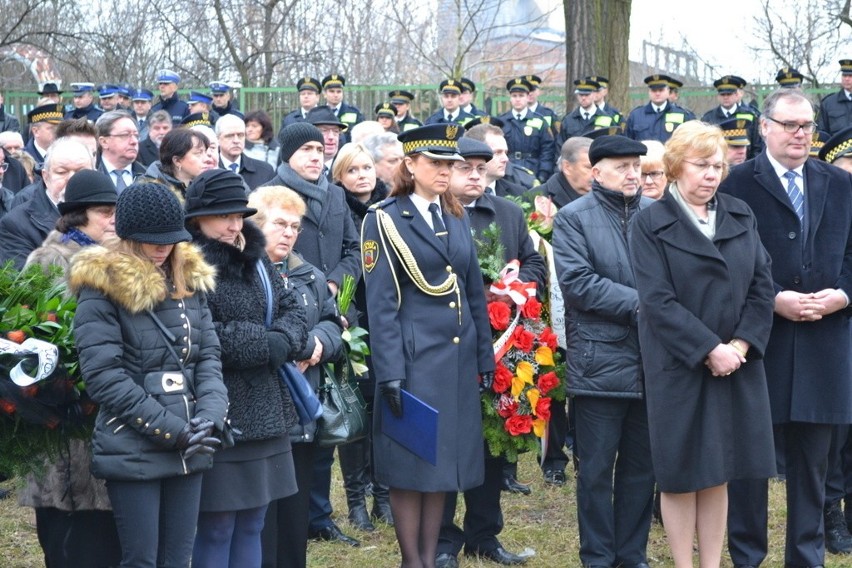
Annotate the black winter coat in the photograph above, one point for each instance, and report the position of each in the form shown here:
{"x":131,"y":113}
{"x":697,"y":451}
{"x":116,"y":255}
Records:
{"x":119,"y":343}
{"x":261,"y":406}
{"x":25,"y":227}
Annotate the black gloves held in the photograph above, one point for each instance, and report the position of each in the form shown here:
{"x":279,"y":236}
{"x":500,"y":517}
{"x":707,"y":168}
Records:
{"x":486,"y":381}
{"x":392,"y":393}
{"x":279,"y":349}
{"x":201,"y":441}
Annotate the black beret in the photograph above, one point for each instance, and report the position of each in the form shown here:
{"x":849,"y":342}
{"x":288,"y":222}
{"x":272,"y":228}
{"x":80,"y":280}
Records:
{"x":615,"y":147}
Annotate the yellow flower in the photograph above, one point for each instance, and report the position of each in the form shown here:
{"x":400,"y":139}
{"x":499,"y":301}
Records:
{"x":544,"y":356}
{"x":517,"y":387}
{"x":533,"y":396}
{"x":524,"y":370}
{"x":539,"y":426}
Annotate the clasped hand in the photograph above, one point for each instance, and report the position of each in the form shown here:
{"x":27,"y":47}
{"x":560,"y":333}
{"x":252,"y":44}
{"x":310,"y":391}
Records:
{"x":796,"y":306}
{"x":723,"y":360}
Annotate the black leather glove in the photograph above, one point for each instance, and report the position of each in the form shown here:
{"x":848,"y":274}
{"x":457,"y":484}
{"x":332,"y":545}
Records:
{"x":187,"y":437}
{"x":486,"y":381}
{"x":279,"y":349}
{"x":392,"y":393}
{"x":207,"y":444}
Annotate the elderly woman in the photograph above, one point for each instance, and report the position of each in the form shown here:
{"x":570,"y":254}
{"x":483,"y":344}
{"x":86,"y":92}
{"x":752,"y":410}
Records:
{"x":260,"y":138}
{"x":256,"y":340}
{"x":184,"y":154}
{"x":355,"y":171}
{"x":654,"y":179}
{"x":705,"y":311}
{"x":73,"y":514}
{"x":279,"y":217}
{"x":427,"y":306}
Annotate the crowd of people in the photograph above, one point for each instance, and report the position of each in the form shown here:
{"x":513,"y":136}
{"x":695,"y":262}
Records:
{"x":705,"y":268}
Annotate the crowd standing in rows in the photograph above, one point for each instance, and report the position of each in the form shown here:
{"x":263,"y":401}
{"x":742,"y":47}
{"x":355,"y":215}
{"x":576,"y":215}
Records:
{"x":703,"y":266}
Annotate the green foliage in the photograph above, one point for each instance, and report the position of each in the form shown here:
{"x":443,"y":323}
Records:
{"x":490,"y":252}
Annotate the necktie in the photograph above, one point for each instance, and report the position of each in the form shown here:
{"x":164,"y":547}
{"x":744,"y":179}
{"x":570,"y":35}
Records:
{"x":585,"y":116}
{"x":438,"y":224}
{"x":518,"y":116}
{"x":119,"y":180}
{"x":449,"y":118}
{"x":795,"y":194}
{"x":234,"y":167}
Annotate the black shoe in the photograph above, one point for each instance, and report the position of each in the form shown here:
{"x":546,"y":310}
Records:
{"x":360,"y":519}
{"x":554,"y":477}
{"x":837,"y":537}
{"x":512,"y":485}
{"x":382,"y":512}
{"x":332,"y":533}
{"x":500,"y":555}
{"x":446,"y":560}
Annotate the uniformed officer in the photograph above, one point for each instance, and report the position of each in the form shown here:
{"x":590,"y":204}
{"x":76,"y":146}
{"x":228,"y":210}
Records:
{"x":531,"y":145}
{"x":84,"y":103}
{"x":727,"y":89}
{"x":199,"y":102}
{"x":108,"y":97}
{"x":789,"y":78}
{"x":197,"y":119}
{"x":659,"y":118}
{"x":402,"y":100}
{"x":42,"y":121}
{"x":385,"y":114}
{"x":222,"y":101}
{"x":125,"y":95}
{"x":838,"y":150}
{"x":600,"y":97}
{"x":332,"y":89}
{"x":309,"y":96}
{"x":167,"y":82}
{"x":141,"y":103}
{"x":835,"y":110}
{"x":675,"y":85}
{"x":548,"y":113}
{"x":818,"y":141}
{"x":468,"y":92}
{"x":451,"y":111}
{"x":737,"y":134}
{"x":587,"y":116}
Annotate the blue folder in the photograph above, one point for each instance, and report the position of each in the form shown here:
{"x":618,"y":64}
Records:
{"x":416,"y":430}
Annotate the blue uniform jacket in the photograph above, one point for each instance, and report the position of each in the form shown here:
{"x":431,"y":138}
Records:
{"x":530,"y":143}
{"x":645,"y":124}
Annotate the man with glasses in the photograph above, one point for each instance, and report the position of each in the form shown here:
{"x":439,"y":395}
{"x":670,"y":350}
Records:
{"x":483,"y":519}
{"x":167,"y":83}
{"x":803,"y":209}
{"x":118,"y":140}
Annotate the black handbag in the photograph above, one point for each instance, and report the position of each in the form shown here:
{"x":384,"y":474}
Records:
{"x":344,"y":412}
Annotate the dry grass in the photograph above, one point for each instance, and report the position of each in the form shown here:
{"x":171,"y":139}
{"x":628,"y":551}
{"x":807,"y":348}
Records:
{"x":545,"y":521}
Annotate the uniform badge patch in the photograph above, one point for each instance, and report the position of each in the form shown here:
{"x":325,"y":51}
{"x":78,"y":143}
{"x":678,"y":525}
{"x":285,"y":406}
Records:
{"x":528,"y":130}
{"x":370,"y":251}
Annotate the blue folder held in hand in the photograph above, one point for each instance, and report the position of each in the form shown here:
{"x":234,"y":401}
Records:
{"x":416,"y":430}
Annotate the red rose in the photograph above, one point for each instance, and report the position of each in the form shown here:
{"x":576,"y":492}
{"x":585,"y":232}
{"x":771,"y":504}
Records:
{"x":520,"y":424}
{"x":7,"y":406}
{"x":523,"y":339}
{"x":549,"y":338}
{"x":502,"y":379}
{"x":547,"y":382}
{"x":499,"y":314}
{"x":507,"y":406}
{"x":542,"y":408}
{"x":531,"y":309}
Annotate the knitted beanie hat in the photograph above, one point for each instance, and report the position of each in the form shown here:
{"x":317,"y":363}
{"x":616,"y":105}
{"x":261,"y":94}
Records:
{"x":296,"y":135}
{"x":150,"y":213}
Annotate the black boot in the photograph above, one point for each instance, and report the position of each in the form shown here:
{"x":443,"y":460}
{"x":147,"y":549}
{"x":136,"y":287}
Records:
{"x":837,"y":537}
{"x":353,"y":464}
{"x":381,"y":504}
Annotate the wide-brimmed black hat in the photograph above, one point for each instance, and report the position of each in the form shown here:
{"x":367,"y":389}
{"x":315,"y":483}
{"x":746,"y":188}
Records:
{"x":150,"y":212}
{"x":615,"y":147}
{"x":88,"y":188}
{"x":50,"y":89}
{"x":436,"y":141}
{"x":322,"y":115}
{"x":217,"y":192}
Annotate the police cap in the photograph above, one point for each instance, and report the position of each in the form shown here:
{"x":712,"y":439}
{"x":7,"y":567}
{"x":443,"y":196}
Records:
{"x":735,"y":131}
{"x":436,"y":141}
{"x":333,"y":81}
{"x":82,"y":88}
{"x":386,"y":109}
{"x":789,"y":77}
{"x":52,"y":114}
{"x":197,"y":119}
{"x":585,"y":86}
{"x":218,"y":87}
{"x":198,"y":97}
{"x":485,"y":119}
{"x":837,"y":146}
{"x":167,"y":76}
{"x":450,"y":86}
{"x":614,"y":130}
{"x":728,"y":84}
{"x":600,"y":79}
{"x":308,"y":84}
{"x":142,"y":95}
{"x":401,"y":97}
{"x":658,"y":81}
{"x":467,"y":85}
{"x":519,"y":84}
{"x":845,"y":66}
{"x":818,"y":141}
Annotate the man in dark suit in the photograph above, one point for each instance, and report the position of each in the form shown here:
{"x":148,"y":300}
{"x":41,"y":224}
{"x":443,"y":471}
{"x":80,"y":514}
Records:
{"x":159,"y":124}
{"x":231,"y":132}
{"x":483,"y":518}
{"x":118,"y":140}
{"x":804,"y":216}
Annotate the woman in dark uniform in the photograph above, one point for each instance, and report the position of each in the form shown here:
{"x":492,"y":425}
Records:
{"x":705,"y":311}
{"x":429,"y":335}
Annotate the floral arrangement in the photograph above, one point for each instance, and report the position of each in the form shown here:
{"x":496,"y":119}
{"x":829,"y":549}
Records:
{"x":353,"y":336}
{"x":516,"y":410}
{"x":42,"y":397}
{"x":539,"y":214}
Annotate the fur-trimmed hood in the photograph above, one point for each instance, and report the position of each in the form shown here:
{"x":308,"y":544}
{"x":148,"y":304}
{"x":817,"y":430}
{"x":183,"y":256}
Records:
{"x":231,"y":262}
{"x":132,"y":282}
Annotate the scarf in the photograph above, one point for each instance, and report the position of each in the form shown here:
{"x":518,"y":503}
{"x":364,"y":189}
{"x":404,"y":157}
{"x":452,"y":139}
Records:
{"x":78,"y":236}
{"x":314,"y":192}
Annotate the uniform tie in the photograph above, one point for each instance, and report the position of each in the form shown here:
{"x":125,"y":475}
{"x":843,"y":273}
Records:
{"x":518,"y":116}
{"x":795,"y":194}
{"x":449,"y":117}
{"x":438,"y":224}
{"x":119,"y":181}
{"x":585,"y":116}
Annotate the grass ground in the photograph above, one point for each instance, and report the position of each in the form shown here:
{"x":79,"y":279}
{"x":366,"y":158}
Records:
{"x":544,"y":521}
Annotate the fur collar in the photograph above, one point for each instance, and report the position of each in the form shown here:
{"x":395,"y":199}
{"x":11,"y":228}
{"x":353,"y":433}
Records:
{"x":231,"y":262}
{"x":134,"y":283}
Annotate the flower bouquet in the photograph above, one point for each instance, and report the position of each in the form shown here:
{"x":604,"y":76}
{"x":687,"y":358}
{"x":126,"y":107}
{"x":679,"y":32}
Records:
{"x":354,"y":337}
{"x":516,"y":410}
{"x":42,"y":398}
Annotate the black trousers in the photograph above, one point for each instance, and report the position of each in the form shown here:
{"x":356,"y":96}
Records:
{"x":284,"y":539}
{"x":483,"y":518}
{"x":78,"y":539}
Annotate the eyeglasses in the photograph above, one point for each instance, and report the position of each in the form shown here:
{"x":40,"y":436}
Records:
{"x":466,"y":169}
{"x":124,"y":135}
{"x":793,"y":127}
{"x":280,"y":226}
{"x":717,"y":168}
{"x":655,"y":175}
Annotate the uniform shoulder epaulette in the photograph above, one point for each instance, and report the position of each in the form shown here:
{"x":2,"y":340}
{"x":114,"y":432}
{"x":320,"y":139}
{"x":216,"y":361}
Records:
{"x":383,"y":203}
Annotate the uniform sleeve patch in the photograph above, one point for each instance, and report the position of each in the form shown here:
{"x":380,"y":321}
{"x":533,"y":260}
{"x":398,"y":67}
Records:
{"x":370,"y":252}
